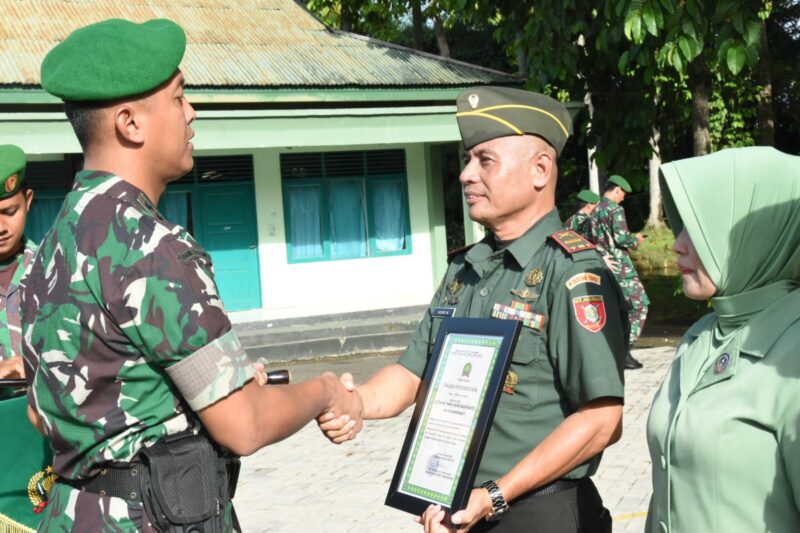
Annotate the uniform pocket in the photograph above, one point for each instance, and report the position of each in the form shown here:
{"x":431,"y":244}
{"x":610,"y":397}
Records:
{"x":519,"y":391}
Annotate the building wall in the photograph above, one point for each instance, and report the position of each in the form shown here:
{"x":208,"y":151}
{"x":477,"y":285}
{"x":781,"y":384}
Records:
{"x":325,"y":287}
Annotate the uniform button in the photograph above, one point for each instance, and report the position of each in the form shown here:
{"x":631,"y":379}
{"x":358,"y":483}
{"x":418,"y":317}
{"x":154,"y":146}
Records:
{"x":484,"y":291}
{"x":663,"y":527}
{"x":663,"y":462}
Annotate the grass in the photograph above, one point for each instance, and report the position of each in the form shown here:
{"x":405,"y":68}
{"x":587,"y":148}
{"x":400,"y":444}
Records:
{"x":656,"y":263}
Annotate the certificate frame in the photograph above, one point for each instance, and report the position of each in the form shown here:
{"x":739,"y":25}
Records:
{"x":414,"y":498}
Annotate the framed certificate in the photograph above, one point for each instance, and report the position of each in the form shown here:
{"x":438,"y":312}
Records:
{"x":455,"y":407}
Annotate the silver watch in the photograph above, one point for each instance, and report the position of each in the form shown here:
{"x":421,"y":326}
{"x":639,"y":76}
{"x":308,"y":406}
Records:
{"x":499,"y":505}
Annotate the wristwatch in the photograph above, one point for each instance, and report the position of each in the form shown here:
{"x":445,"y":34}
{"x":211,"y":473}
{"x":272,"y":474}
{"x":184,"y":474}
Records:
{"x":499,"y":505}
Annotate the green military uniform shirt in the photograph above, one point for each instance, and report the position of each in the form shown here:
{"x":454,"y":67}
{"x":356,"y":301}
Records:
{"x":724,"y":429}
{"x":570,"y":350}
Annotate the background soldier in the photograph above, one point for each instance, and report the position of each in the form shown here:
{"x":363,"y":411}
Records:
{"x":129,"y":354}
{"x":609,"y":231}
{"x":23,"y":454}
{"x":579,"y":222}
{"x":562,"y":403}
{"x":16,"y":253}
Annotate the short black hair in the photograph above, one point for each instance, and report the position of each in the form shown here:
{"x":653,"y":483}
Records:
{"x":82,"y":116}
{"x":610,"y":186}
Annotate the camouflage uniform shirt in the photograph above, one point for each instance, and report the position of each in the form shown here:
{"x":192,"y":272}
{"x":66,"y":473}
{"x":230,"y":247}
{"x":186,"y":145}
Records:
{"x":124,"y":334}
{"x":579,"y":222}
{"x":608,"y":230}
{"x":10,"y":325}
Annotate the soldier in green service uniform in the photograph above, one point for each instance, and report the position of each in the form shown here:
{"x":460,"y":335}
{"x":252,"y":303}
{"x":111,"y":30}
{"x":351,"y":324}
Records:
{"x":16,"y":253}
{"x":561,"y":405}
{"x":608,"y":230}
{"x":579,"y":222}
{"x":135,"y":375}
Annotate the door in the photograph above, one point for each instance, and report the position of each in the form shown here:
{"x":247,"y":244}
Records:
{"x":226,"y":228}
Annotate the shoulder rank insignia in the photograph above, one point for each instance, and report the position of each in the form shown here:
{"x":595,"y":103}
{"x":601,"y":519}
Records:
{"x":571,"y":241}
{"x":534,"y":277}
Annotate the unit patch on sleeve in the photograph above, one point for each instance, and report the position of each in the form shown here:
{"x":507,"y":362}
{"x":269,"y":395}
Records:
{"x":571,"y":241}
{"x":583,"y":277}
{"x":590,"y":311}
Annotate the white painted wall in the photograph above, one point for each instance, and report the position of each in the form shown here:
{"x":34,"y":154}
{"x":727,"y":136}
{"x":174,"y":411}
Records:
{"x":328,"y":287}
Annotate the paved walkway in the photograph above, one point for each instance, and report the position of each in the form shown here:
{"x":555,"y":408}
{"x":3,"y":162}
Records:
{"x":304,"y":484}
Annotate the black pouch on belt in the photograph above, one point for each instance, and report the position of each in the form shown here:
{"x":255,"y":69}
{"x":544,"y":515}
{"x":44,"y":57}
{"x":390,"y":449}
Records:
{"x":181,"y":488}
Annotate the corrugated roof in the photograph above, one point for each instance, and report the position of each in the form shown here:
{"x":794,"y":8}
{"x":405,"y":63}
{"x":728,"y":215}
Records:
{"x":235,"y":43}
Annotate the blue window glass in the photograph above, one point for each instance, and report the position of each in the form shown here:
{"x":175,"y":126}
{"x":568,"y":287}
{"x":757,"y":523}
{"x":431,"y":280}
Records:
{"x":44,"y":210}
{"x":347,"y":219}
{"x":305,"y":221}
{"x":345,"y":205}
{"x":389,"y":218}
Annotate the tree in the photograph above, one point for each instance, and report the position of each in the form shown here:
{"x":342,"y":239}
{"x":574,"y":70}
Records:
{"x":696,"y":38}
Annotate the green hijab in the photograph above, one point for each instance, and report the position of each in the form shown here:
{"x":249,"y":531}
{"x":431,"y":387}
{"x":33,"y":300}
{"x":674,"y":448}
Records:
{"x":741,"y":208}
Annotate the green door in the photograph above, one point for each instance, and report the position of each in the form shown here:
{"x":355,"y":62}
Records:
{"x":222,"y":218}
{"x":226,"y":228}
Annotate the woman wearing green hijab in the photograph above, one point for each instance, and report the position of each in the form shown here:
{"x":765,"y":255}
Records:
{"x":724,"y":428}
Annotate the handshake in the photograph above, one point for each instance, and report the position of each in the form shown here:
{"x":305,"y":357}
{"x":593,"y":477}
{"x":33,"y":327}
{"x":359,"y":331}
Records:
{"x":341,"y":419}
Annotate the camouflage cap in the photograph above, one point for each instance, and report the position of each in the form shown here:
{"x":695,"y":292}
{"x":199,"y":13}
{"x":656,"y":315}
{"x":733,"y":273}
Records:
{"x":621,"y":182}
{"x":485,"y":113}
{"x":12,"y":170}
{"x":588,"y":196}
{"x":113,"y":59}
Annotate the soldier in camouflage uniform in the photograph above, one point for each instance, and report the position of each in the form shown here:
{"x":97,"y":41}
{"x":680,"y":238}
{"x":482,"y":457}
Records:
{"x":16,"y":253}
{"x":579,"y":222}
{"x":126,"y":341}
{"x":609,"y":231}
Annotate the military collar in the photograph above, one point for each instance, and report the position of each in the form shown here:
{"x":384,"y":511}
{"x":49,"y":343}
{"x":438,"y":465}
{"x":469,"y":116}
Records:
{"x":113,"y":186}
{"x":608,"y":201}
{"x":523,"y":247}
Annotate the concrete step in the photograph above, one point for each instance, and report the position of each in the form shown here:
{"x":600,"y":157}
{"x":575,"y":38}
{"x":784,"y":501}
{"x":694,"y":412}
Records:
{"x":328,"y":336}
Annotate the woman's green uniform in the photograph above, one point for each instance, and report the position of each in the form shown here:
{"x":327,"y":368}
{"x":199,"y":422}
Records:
{"x":724,"y":429}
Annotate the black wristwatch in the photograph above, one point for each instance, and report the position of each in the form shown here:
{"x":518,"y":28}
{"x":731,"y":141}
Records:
{"x":499,"y":505}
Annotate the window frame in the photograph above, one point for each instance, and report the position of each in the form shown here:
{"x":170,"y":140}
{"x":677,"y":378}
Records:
{"x":368,"y":182}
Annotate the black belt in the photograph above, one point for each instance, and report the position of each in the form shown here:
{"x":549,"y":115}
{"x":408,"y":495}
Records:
{"x":115,"y":481}
{"x":553,"y":487}
{"x":123,"y":481}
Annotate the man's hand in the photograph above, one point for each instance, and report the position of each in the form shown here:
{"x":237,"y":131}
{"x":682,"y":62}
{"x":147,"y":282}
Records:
{"x":640,"y":237}
{"x":339,"y":426}
{"x":611,"y":263}
{"x":12,"y":368}
{"x":434,"y":519}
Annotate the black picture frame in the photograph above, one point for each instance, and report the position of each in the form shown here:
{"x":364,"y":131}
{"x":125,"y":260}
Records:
{"x":509,"y":331}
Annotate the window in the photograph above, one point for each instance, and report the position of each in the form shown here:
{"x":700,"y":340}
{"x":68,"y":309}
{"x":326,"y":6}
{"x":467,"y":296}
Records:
{"x":345,"y":205}
{"x":50,"y":181}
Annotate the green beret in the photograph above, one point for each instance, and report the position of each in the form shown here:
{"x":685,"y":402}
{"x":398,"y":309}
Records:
{"x":621,"y":182}
{"x":12,"y":170}
{"x":485,"y":113}
{"x":113,"y":59}
{"x":588,"y":196}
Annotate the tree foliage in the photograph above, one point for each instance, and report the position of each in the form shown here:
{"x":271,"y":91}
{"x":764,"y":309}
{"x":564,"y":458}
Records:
{"x":677,"y":67}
